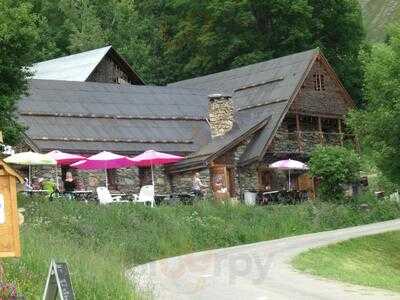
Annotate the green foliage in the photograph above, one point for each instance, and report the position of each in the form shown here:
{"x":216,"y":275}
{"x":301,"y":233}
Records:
{"x":371,"y":261}
{"x":334,"y":166}
{"x":378,"y":15}
{"x":173,"y":40}
{"x":101,"y":242}
{"x":20,"y":44}
{"x":378,"y":126}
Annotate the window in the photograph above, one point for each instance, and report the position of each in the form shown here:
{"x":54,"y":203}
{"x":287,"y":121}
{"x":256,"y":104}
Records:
{"x":319,"y":82}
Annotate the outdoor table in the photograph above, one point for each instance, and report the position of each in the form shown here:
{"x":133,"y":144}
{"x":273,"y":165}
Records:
{"x":118,"y":194}
{"x":83,"y":195}
{"x":185,"y":198}
{"x":270,"y":197}
{"x":160,"y":198}
{"x":31,"y":192}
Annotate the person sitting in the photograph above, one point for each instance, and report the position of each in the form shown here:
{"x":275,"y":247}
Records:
{"x":49,"y":186}
{"x":69,"y":183}
{"x":27,"y":185}
{"x":198,"y":185}
{"x":37,"y":184}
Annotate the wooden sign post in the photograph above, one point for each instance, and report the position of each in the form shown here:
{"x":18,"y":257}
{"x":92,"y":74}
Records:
{"x":9,"y":221}
{"x":58,"y":285}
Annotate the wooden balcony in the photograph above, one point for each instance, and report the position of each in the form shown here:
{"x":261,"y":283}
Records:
{"x":304,"y":142}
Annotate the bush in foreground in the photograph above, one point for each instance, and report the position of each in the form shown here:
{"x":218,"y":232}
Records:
{"x":101,"y":242}
{"x":335,"y":166}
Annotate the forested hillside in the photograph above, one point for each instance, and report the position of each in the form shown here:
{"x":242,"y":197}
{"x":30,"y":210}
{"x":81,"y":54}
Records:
{"x":377,"y":15}
{"x":171,"y":40}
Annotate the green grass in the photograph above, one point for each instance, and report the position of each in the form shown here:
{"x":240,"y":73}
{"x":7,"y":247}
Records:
{"x":100,"y":242}
{"x":378,"y":14}
{"x":371,"y":261}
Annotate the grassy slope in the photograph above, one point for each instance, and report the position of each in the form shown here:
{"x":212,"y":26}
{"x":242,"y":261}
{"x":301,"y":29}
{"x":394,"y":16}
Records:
{"x":100,"y":241}
{"x":377,"y":15}
{"x":371,"y":261}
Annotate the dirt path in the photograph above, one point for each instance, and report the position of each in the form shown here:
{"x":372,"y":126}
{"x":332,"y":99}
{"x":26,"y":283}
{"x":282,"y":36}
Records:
{"x":255,"y":271}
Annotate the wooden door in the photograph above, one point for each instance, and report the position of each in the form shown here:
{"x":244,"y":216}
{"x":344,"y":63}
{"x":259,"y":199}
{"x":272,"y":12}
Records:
{"x":220,"y":182}
{"x":264,"y":179}
{"x":306,"y":183}
{"x":231,"y":180}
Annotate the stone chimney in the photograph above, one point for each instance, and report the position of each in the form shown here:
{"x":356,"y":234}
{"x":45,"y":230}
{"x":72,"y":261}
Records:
{"x":220,"y":114}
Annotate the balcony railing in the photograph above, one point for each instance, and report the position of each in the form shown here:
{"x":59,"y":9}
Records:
{"x":305,"y":142}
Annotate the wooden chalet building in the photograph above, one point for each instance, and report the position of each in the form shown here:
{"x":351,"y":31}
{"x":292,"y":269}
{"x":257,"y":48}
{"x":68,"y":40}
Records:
{"x":229,"y":125}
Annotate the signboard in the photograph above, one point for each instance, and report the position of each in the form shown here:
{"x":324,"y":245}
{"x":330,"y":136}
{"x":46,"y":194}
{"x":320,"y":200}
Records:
{"x":58,"y":285}
{"x":2,"y":210}
{"x":9,"y":225}
{"x":220,"y":182}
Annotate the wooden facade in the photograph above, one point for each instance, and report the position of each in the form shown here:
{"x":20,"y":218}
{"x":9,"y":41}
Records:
{"x":9,"y":219}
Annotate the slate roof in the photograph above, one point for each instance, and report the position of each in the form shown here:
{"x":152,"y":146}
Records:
{"x":78,"y":67}
{"x":85,"y":116}
{"x":259,"y":90}
{"x":220,"y":145}
{"x":78,"y":116}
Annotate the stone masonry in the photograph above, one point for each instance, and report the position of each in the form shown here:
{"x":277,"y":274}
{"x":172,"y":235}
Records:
{"x":220,"y":114}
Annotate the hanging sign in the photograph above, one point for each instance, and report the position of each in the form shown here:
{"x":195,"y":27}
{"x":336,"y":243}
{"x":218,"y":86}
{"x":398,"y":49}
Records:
{"x":9,"y":227}
{"x":2,"y":210}
{"x":58,"y":285}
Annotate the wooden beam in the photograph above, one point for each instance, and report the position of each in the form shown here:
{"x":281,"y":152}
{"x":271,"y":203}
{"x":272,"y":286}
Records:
{"x":299,"y":135}
{"x":340,"y":131}
{"x":298,"y":123}
{"x":321,"y":134}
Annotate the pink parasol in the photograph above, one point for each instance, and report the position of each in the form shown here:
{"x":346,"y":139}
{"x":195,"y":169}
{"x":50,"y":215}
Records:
{"x":153,"y":158}
{"x":288,"y":164}
{"x":65,"y":159}
{"x":104,"y":160}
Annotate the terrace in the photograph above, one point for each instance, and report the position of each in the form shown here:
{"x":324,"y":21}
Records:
{"x":301,"y":133}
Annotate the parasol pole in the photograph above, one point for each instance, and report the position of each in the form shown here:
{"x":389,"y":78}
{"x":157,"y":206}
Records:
{"x":57,"y":181}
{"x":29,"y":175}
{"x":105,"y":171}
{"x":289,"y":179}
{"x":152,"y":174}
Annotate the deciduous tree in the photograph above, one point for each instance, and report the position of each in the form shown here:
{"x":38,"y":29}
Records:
{"x":20,"y":43}
{"x":378,"y":126}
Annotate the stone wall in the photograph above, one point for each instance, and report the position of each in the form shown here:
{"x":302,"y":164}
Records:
{"x":108,"y":72}
{"x":248,"y":177}
{"x":126,"y":180}
{"x":183,"y":182}
{"x":220,"y":114}
{"x":328,"y":99}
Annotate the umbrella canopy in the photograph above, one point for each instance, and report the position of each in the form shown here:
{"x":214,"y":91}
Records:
{"x":154,"y":158}
{"x":104,"y":160}
{"x":65,"y":159}
{"x":289,"y":164}
{"x":30,"y":159}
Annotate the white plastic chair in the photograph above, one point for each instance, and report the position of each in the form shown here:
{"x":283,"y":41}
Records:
{"x":146,"y":194}
{"x":105,"y":196}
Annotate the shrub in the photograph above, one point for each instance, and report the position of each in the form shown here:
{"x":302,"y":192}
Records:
{"x":334,"y":166}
